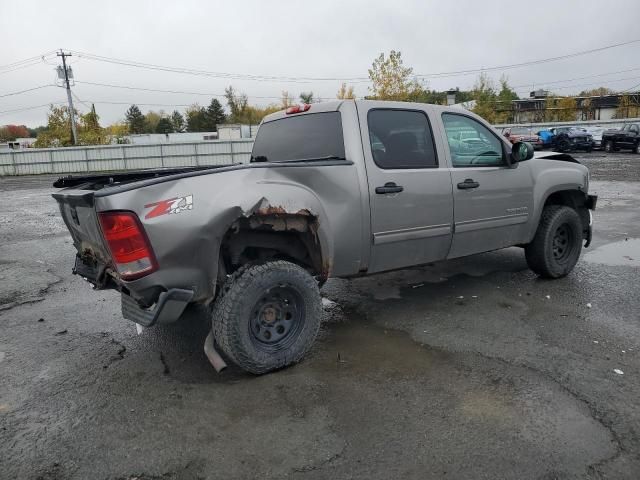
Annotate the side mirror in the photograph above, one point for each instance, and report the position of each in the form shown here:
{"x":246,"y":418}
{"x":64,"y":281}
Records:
{"x":521,"y":151}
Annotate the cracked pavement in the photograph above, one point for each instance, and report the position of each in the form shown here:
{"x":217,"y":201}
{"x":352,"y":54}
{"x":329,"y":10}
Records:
{"x":468,"y":369}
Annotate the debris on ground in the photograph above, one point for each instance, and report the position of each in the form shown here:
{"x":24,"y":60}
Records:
{"x":588,"y":305}
{"x":418,"y":285}
{"x":62,"y":332}
{"x":548,"y":297}
{"x":618,"y":371}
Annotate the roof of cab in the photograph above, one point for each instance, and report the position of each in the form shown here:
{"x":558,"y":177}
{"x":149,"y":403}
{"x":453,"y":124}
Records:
{"x":335,"y":105}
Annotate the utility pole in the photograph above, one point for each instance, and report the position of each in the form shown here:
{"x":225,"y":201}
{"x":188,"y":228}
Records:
{"x":72,"y":113}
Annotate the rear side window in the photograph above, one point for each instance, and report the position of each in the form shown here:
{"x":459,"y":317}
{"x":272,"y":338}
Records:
{"x":401,"y":139}
{"x":302,"y":137}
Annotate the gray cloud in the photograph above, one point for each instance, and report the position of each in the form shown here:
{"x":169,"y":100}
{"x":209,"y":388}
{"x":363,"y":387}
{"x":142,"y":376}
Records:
{"x":304,"y":39}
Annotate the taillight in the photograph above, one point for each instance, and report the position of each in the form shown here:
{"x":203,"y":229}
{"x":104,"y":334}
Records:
{"x":128,"y":243}
{"x":298,"y":108}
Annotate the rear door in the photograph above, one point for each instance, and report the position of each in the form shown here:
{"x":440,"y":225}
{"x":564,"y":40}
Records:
{"x":410,"y":192}
{"x":492,"y":201}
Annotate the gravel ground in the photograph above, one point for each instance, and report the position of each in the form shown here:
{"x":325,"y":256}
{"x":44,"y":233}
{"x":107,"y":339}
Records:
{"x":468,"y":369}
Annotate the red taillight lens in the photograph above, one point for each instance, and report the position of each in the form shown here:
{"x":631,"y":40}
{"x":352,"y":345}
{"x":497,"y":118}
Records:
{"x":298,"y":108}
{"x":129,"y":246}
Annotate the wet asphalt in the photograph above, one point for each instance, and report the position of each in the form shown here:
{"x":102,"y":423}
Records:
{"x":472,"y":369}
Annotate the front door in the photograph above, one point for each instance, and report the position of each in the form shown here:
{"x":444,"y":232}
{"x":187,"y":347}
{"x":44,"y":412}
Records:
{"x":492,"y":202}
{"x":409,"y":191}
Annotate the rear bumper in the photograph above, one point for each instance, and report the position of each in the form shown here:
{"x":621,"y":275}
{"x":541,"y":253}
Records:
{"x":167,"y":309}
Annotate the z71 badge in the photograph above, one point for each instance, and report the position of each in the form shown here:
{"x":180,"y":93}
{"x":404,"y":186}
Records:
{"x":171,"y":205}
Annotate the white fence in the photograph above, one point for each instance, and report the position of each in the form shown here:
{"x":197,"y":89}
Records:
{"x":34,"y":161}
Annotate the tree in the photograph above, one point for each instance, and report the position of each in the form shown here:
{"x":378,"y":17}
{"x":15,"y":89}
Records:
{"x":135,"y":120}
{"x":215,"y":115}
{"x":306,"y":97}
{"x":177,"y":122}
{"x":9,"y":133}
{"x":151,"y":120}
{"x":196,"y":118}
{"x":345,"y":92}
{"x":118,"y":132}
{"x":89,"y":130}
{"x":560,"y":109}
{"x":626,"y":108}
{"x":596,"y":92}
{"x":58,"y":132}
{"x":391,"y":79}
{"x":164,"y":126}
{"x":503,"y":106}
{"x":484,"y":94}
{"x":237,"y":103}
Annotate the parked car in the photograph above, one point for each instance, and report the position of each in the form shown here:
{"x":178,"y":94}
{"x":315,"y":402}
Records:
{"x":546,"y":136}
{"x":596,"y":134}
{"x":523,"y":134}
{"x":337,"y":189}
{"x":569,"y":139}
{"x":627,"y":137}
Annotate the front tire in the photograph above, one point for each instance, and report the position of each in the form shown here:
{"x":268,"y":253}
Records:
{"x":556,"y":247}
{"x":636,"y":149}
{"x":268,"y":316}
{"x":608,"y":146}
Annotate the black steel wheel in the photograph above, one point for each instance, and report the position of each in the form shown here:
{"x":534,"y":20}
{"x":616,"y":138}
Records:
{"x":562,"y":243}
{"x":268,"y":316}
{"x":276,"y":318}
{"x":557,"y":244}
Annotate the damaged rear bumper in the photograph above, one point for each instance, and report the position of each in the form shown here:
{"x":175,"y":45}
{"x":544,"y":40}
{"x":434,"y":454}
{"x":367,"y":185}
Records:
{"x":167,"y":309}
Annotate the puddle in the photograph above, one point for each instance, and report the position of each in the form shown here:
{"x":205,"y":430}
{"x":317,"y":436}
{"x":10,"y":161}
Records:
{"x":624,"y":253}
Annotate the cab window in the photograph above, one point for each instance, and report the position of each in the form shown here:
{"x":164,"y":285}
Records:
{"x":471,"y":143}
{"x":401,"y":139}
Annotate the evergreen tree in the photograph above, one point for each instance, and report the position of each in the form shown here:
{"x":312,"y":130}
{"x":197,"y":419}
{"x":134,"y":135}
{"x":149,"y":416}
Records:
{"x":214,"y":115}
{"x":135,"y":119}
{"x":164,"y":126}
{"x":177,"y":121}
{"x":196,"y":118}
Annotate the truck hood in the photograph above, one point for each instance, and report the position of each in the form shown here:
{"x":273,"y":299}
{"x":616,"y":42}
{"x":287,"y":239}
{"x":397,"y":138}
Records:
{"x":562,"y":157}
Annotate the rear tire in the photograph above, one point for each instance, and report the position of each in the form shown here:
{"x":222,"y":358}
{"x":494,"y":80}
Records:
{"x":556,"y":247}
{"x":268,"y":316}
{"x":636,"y":149}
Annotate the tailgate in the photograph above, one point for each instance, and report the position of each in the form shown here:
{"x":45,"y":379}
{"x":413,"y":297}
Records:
{"x":79,"y":215}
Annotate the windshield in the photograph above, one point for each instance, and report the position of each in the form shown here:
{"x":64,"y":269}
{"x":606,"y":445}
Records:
{"x":302,"y":137}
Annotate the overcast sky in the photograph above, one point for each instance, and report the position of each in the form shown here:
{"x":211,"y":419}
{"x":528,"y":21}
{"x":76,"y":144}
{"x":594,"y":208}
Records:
{"x":319,"y":39}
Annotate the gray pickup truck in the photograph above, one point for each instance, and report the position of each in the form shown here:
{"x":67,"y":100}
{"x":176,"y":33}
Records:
{"x":337,"y":189}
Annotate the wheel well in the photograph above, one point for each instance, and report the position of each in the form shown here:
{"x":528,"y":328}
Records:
{"x":571,"y":198}
{"x":270,"y":236}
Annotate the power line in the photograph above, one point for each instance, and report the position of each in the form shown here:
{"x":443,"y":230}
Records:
{"x":526,"y":64}
{"x":36,"y":58}
{"x":541,"y":84}
{"x":23,"y":109}
{"x":126,"y":87}
{"x":25,"y":91}
{"x":256,"y":77}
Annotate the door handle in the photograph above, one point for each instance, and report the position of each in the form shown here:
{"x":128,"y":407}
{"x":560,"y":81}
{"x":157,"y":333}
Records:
{"x":468,"y":183}
{"x":389,"y":187}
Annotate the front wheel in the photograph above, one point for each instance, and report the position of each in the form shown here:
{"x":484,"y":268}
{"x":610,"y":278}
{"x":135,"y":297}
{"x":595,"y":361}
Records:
{"x":608,"y":146}
{"x":556,"y":247}
{"x":268,"y":316}
{"x":636,"y":149}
